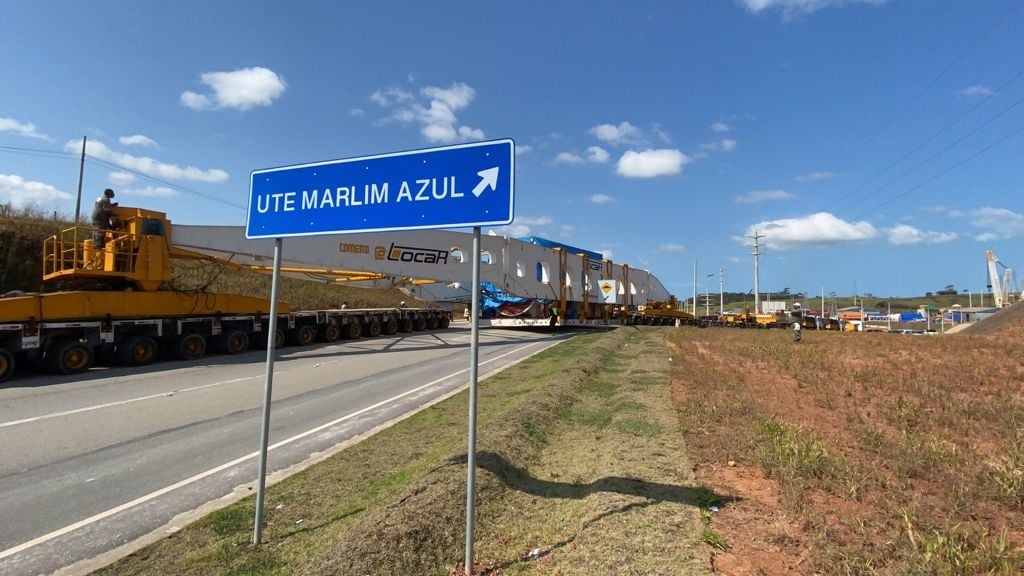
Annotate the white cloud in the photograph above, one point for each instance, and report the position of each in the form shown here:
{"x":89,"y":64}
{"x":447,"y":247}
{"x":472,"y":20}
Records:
{"x":120,"y":179}
{"x":607,"y":253}
{"x":240,"y":89}
{"x":534,"y":220}
{"x":511,"y":230}
{"x":601,"y":199}
{"x":523,"y":149}
{"x":763,"y":196}
{"x":594,"y":155}
{"x":21,"y":128}
{"x":391,"y":96}
{"x":624,"y":133}
{"x":436,"y":115}
{"x":652,"y":163}
{"x":357,"y":112}
{"x":816,"y":176}
{"x":997,"y":224}
{"x":147,"y":165}
{"x":723,"y":145}
{"x":976,"y":91}
{"x":719,"y":127}
{"x":795,"y":7}
{"x":821,"y":229}
{"x":671,"y":249}
{"x":568,"y":158}
{"x":522,"y":226}
{"x":138,"y":140}
{"x":19,"y":193}
{"x":945,"y":211}
{"x":566,"y":231}
{"x":151,"y":192}
{"x":597,"y":155}
{"x":907,"y":235}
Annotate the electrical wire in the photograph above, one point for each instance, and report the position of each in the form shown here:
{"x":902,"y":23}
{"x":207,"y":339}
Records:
{"x":927,"y":141}
{"x":99,"y":161}
{"x":956,"y":165}
{"x":108,"y":164}
{"x":943,"y":150}
{"x":1010,"y":5}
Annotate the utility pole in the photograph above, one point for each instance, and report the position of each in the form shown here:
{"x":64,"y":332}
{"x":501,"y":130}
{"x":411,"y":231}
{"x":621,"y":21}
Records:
{"x":81,"y":172}
{"x":721,"y":291}
{"x":757,"y":288}
{"x":694,"y":311}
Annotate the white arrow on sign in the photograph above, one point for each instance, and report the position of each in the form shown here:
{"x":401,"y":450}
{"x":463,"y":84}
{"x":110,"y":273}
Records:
{"x":488,"y":179}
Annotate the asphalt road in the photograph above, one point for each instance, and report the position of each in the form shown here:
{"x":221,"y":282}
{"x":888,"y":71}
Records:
{"x":93,"y":463}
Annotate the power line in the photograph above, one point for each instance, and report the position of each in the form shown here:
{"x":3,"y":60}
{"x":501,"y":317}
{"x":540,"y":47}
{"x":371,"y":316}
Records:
{"x":108,"y":164}
{"x":927,"y":141}
{"x":943,"y":150}
{"x":1010,"y":5}
{"x":36,"y":152}
{"x":894,"y":197}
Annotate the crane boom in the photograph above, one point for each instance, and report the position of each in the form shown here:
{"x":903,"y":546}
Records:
{"x":993,"y":278}
{"x":1002,"y":288}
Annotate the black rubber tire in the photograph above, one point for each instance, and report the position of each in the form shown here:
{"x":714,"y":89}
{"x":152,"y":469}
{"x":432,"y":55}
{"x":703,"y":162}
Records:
{"x":6,"y":364}
{"x":420,"y":324}
{"x":136,"y":351}
{"x":303,"y":335}
{"x":372,"y":329}
{"x":353,"y":330}
{"x":189,"y":347}
{"x":405,"y":325}
{"x":444,"y":322}
{"x":390,"y":327}
{"x":68,"y":357}
{"x":331,"y":332}
{"x":234,"y":342}
{"x":432,"y":323}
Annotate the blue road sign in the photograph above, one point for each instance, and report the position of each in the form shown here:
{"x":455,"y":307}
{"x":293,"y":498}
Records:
{"x":448,"y":187}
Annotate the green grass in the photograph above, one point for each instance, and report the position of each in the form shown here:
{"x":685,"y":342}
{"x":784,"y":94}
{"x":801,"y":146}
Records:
{"x":597,"y":495}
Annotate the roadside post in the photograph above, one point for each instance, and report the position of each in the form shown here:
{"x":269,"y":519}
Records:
{"x":466,"y":185}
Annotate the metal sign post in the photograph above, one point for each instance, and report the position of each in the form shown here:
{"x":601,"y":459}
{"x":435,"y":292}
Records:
{"x":448,"y":187}
{"x":261,"y":481}
{"x":474,"y":339}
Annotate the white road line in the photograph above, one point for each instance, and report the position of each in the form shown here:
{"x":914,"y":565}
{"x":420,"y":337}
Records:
{"x":119,"y":403}
{"x":128,"y":401}
{"x":152,"y":495}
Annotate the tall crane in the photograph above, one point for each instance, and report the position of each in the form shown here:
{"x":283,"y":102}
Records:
{"x":1002,"y":288}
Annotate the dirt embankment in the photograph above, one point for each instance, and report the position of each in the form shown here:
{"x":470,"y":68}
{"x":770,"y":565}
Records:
{"x":1007,"y":322}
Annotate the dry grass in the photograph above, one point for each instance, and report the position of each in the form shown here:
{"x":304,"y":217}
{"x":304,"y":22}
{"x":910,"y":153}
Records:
{"x":894,"y":454}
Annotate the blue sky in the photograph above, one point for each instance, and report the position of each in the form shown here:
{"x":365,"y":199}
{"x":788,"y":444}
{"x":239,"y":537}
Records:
{"x":875,"y":145}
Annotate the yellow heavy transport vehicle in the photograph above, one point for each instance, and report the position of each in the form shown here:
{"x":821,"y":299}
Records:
{"x":122,"y":313}
{"x":662,"y":313}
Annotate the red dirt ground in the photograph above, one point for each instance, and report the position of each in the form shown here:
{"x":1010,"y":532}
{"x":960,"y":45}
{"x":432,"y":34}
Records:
{"x":956,"y":395}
